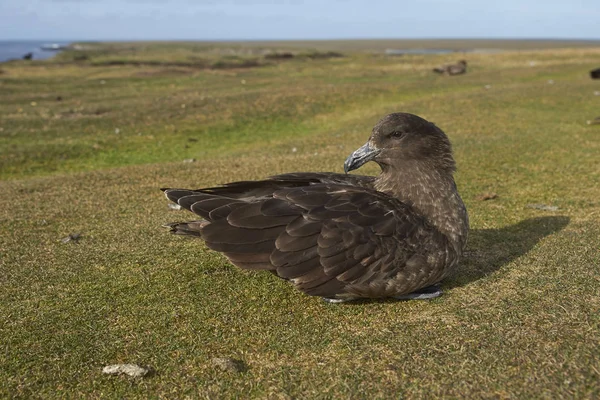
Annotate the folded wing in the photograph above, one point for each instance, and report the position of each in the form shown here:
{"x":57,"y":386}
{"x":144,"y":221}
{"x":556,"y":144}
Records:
{"x":328,"y":236}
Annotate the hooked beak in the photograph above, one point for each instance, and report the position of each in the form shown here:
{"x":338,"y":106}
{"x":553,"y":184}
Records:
{"x":361,"y":156}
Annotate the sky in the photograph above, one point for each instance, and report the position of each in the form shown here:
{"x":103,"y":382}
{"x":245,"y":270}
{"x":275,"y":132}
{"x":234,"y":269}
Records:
{"x":296,"y":19}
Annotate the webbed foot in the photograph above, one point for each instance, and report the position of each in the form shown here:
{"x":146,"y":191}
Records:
{"x":426,"y":293}
{"x":337,"y":301}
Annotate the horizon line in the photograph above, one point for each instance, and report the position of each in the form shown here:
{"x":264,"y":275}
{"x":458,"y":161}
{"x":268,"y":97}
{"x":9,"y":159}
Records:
{"x":494,"y":38}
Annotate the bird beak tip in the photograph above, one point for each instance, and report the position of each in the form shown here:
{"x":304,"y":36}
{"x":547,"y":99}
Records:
{"x":360,"y":157}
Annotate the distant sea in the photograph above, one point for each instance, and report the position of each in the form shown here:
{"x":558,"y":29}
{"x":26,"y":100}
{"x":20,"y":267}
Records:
{"x":16,"y":49}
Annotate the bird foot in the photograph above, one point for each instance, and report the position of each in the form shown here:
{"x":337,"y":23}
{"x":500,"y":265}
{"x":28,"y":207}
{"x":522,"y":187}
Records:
{"x":426,"y":293}
{"x":337,"y":301}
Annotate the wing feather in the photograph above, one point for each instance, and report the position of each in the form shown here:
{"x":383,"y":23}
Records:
{"x":203,"y":204}
{"x":303,"y":227}
{"x":286,"y":242}
{"x":290,"y":271}
{"x":325,"y":233}
{"x":251,"y":216}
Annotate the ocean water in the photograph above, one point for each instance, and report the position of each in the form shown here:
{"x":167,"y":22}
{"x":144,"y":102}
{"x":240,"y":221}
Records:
{"x":16,"y":49}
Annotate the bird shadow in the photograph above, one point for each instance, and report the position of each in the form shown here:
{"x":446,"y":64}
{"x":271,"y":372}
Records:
{"x":488,"y":250}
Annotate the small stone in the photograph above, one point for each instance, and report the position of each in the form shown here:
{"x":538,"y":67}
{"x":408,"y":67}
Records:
{"x":228,"y":364}
{"x":189,"y":160}
{"x":550,"y":82}
{"x":117,"y":131}
{"x":294,"y":149}
{"x":488,"y":86}
{"x":486,"y":196}
{"x":73,"y":237}
{"x":102,"y":82}
{"x":243,"y":81}
{"x":543,"y":207}
{"x":596,"y":92}
{"x":133,"y":370}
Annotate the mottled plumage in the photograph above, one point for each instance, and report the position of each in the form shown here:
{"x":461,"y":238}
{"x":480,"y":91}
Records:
{"x":343,"y":236}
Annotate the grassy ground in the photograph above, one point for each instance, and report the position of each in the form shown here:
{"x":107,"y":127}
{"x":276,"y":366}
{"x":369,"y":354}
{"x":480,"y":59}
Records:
{"x":84,"y":147}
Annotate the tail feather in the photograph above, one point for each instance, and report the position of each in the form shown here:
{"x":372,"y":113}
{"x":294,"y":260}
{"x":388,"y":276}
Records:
{"x":175,"y":194}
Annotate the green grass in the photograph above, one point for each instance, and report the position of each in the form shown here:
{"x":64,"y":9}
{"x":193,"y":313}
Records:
{"x":521,"y":319}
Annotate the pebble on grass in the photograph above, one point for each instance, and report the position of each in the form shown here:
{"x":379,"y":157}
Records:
{"x":132,"y":370}
{"x":73,"y":237}
{"x":486,"y":196}
{"x":189,"y":160}
{"x":228,"y":364}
